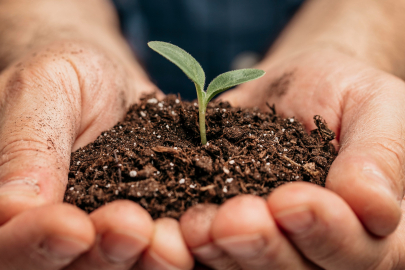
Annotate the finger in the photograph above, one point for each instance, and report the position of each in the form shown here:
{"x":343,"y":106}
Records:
{"x":368,"y":172}
{"x":65,"y":92}
{"x":124,"y":230}
{"x":195,"y":225}
{"x":325,"y":229}
{"x":35,"y":138}
{"x":244,"y":228}
{"x":167,"y":249}
{"x":48,"y":238}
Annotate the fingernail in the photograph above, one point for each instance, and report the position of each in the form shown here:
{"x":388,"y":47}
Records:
{"x":296,"y":220}
{"x":20,"y":186}
{"x":208,"y":252}
{"x":243,"y":246}
{"x":119,"y":247}
{"x":375,"y":175}
{"x":59,"y":248}
{"x":159,"y":263}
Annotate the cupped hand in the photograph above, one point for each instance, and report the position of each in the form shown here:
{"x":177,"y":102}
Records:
{"x":52,"y":101}
{"x":364,"y":106}
{"x":350,"y":225}
{"x":300,"y":226}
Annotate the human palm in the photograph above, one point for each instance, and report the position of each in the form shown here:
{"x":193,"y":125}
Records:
{"x":350,"y":224}
{"x":54,"y":100}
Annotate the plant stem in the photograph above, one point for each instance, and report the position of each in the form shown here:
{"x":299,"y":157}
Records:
{"x":202,"y":124}
{"x":201,"y":109}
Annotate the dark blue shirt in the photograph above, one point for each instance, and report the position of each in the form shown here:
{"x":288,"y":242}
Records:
{"x":215,"y":32}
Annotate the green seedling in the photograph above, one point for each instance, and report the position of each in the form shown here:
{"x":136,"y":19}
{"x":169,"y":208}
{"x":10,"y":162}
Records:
{"x":194,"y":72}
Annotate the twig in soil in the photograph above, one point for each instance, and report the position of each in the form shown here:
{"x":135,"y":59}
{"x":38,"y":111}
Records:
{"x":246,"y":138}
{"x":207,"y":187}
{"x":272,"y":108}
{"x":306,"y":167}
{"x":119,"y":166}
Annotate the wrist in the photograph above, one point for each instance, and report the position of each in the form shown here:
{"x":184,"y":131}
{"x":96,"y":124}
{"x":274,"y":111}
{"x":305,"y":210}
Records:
{"x":27,"y":26}
{"x":369,"y":31}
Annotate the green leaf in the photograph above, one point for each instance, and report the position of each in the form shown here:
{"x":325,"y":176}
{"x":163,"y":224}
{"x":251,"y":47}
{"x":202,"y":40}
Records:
{"x":182,"y":59}
{"x":232,"y":78}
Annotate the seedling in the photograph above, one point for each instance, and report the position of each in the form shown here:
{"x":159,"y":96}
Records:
{"x":194,"y":72}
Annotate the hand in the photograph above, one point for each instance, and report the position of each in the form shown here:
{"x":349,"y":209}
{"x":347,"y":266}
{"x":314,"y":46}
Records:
{"x":301,"y":226}
{"x":364,"y":107}
{"x":52,"y":101}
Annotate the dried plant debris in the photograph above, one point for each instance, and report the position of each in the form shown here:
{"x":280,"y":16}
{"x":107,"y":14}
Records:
{"x":155,"y":158}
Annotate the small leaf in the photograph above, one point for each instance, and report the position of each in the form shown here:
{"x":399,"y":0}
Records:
{"x":182,"y":59}
{"x":232,"y":78}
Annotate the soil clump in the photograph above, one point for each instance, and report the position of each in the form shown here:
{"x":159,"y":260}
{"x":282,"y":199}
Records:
{"x":154,"y":157}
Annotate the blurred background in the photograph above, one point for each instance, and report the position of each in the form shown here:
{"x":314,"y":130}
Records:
{"x":222,"y":35}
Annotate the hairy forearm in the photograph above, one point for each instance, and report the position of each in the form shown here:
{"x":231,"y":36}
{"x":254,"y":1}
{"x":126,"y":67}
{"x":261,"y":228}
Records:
{"x":26,"y":25}
{"x":370,"y":30}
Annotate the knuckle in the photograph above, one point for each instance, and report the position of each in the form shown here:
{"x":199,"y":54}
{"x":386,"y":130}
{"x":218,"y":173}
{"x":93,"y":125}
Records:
{"x":388,"y":261}
{"x":322,"y":236}
{"x":273,"y":251}
{"x":45,"y":77}
{"x":17,"y":148}
{"x":392,"y":151}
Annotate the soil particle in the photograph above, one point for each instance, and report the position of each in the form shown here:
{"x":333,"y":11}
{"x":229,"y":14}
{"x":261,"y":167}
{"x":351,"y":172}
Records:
{"x":154,"y":157}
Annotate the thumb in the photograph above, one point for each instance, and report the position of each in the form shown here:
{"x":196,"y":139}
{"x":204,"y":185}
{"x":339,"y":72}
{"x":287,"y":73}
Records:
{"x":368,"y":172}
{"x":39,"y":118}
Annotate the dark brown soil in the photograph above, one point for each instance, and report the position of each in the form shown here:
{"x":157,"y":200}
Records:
{"x":155,"y":158}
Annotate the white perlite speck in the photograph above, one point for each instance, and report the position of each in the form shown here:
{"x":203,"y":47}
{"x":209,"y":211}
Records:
{"x":152,"y":101}
{"x":133,"y":173}
{"x":193,"y":186}
{"x":160,"y":105}
{"x":229,"y":180}
{"x":143,"y":114}
{"x":292,"y":120}
{"x":78,"y":163}
{"x":105,"y":167}
{"x":225,"y":170}
{"x":232,"y":162}
{"x":167,"y":126}
{"x":182,"y":181}
{"x":177,"y":101}
{"x":225,"y":190}
{"x":171,"y":164}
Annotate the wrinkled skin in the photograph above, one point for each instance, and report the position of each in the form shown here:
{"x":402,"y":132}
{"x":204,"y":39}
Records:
{"x":53,"y":101}
{"x":350,"y":225}
{"x":61,"y":97}
{"x":69,"y":75}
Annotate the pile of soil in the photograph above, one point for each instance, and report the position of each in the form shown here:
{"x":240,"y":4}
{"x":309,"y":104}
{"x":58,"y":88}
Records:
{"x":155,"y":157}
